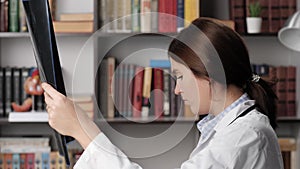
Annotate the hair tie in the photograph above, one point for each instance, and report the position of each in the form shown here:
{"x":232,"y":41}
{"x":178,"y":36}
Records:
{"x":255,"y":78}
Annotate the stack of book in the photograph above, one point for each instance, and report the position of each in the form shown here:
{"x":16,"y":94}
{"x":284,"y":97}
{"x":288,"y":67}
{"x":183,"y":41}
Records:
{"x":74,"y":23}
{"x":85,"y":103}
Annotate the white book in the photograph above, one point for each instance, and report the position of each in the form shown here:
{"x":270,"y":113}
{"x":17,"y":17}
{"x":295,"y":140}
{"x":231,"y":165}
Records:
{"x":28,"y":117}
{"x":146,"y":16}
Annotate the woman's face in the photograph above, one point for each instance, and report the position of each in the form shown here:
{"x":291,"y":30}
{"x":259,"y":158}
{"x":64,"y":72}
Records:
{"x":194,"y":91}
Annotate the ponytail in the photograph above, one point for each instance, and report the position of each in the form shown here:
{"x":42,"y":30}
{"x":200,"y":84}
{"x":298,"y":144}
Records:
{"x":265,"y":98}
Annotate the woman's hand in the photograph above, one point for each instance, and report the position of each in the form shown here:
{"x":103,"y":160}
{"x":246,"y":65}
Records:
{"x":67,"y":118}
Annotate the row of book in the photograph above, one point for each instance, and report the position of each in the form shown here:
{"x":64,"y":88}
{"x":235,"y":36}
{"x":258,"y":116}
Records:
{"x":12,"y":89}
{"x":166,"y":16}
{"x":274,"y":13}
{"x":13,"y":19}
{"x":128,"y":90}
{"x":285,"y":88}
{"x":32,"y":152}
{"x":12,"y":16}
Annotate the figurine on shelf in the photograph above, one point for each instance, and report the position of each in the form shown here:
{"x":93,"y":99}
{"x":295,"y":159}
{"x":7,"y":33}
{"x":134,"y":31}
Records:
{"x":32,"y":87}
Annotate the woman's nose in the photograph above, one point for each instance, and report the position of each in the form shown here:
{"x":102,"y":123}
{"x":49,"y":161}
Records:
{"x":177,"y":89}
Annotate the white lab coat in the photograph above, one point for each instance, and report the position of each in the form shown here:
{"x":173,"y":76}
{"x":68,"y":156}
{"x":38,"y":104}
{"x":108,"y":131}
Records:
{"x":247,"y":143}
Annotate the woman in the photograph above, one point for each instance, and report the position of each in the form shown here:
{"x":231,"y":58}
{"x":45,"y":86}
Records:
{"x":212,"y":67}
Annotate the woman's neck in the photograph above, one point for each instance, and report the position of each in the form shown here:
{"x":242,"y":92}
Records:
{"x":232,"y":94}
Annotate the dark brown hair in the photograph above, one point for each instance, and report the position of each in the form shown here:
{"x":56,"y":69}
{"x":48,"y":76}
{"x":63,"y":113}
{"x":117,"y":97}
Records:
{"x":210,"y":49}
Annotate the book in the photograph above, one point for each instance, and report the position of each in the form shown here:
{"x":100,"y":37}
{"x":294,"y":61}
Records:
{"x":8,"y":160}
{"x":135,"y":12}
{"x":110,"y":86}
{"x":191,"y":11}
{"x":2,"y":88}
{"x":45,"y":160}
{"x":76,"y":17}
{"x":180,"y":15}
{"x":73,"y":26}
{"x":30,"y":160}
{"x":238,"y":15}
{"x":138,"y":92}
{"x":158,"y":93}
{"x":8,"y":90}
{"x":281,"y":90}
{"x":22,"y":18}
{"x":1,"y":161}
{"x":16,"y":161}
{"x":13,"y":11}
{"x":23,"y":161}
{"x":4,"y":16}
{"x":145,"y":16}
{"x":147,"y":80}
{"x":102,"y":89}
{"x":291,"y":91}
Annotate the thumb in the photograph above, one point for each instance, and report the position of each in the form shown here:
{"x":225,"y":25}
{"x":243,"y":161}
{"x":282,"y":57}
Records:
{"x":50,"y":90}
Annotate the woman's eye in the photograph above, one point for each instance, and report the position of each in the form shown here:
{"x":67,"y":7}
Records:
{"x":179,"y":77}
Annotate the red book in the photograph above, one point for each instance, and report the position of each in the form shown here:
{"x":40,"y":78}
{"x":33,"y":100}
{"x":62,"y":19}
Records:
{"x":4,"y":16}
{"x":291,"y":91}
{"x":8,"y":161}
{"x":29,"y":161}
{"x":23,"y":161}
{"x":158,"y":92}
{"x":138,"y":92}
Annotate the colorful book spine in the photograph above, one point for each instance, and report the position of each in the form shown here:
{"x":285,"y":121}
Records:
{"x":110,"y":83}
{"x":23,"y":161}
{"x":145,"y":16}
{"x":45,"y":160}
{"x":138,"y":92}
{"x":13,"y":10}
{"x":180,"y":15}
{"x":30,"y":161}
{"x":8,"y":160}
{"x":16,"y":161}
{"x":158,"y":93}
{"x":191,"y":10}
{"x":4,"y":16}
{"x":135,"y":8}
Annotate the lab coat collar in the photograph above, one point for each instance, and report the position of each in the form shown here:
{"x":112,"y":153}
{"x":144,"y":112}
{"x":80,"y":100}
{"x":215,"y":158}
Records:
{"x":233,"y":114}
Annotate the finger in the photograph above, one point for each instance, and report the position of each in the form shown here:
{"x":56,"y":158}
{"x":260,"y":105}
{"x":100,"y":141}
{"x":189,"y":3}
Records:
{"x":53,"y":93}
{"x":48,"y":99}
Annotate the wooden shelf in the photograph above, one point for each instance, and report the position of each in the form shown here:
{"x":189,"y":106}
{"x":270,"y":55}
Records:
{"x":109,"y":34}
{"x":288,"y":120}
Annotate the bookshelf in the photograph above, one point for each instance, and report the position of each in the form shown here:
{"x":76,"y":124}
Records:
{"x":263,"y":48}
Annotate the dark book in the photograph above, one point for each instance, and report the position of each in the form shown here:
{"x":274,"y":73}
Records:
{"x":24,"y":76}
{"x":291,"y":91}
{"x":4,"y":16}
{"x":46,"y":53}
{"x":281,"y":90}
{"x":16,"y":86}
{"x":102,"y":90}
{"x":238,"y":15}
{"x":13,"y":16}
{"x":8,"y":90}
{"x":2,"y":98}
